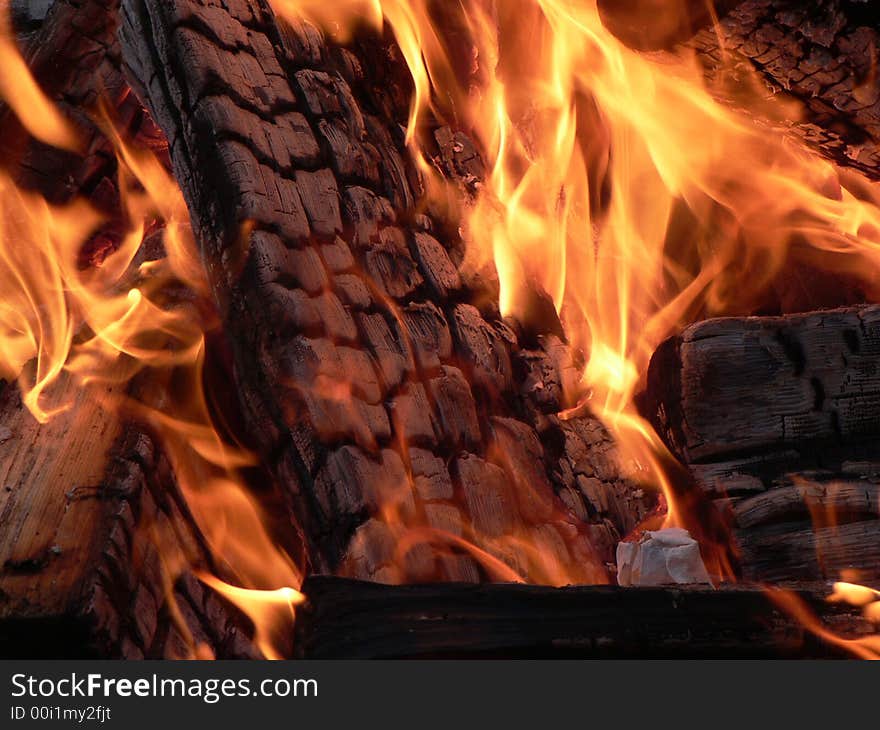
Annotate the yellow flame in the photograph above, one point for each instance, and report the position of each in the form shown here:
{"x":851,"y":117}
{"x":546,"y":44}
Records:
{"x":268,"y":609}
{"x":862,"y":647}
{"x":616,"y":182}
{"x":17,"y":87}
{"x":113,"y":318}
{"x":861,"y":596}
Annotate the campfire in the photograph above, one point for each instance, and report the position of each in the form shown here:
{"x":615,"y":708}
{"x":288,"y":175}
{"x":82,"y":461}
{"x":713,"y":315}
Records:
{"x":553,"y":325}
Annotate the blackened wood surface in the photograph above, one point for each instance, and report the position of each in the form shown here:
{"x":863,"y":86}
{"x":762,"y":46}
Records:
{"x":762,"y":384}
{"x":353,"y":620}
{"x":93,"y":527}
{"x":803,"y":551}
{"x":820,"y":53}
{"x":74,"y":57}
{"x":778,"y":417}
{"x":89,"y":507}
{"x":375,"y":379}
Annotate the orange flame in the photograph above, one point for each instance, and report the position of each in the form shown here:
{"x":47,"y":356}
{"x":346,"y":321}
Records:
{"x":17,"y":87}
{"x":116,"y":318}
{"x":863,"y":647}
{"x":268,"y":609}
{"x":616,"y":182}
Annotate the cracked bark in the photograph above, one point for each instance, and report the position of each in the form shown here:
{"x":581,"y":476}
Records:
{"x":821,"y":54}
{"x":778,"y":416}
{"x":370,"y":373}
{"x":344,"y":273}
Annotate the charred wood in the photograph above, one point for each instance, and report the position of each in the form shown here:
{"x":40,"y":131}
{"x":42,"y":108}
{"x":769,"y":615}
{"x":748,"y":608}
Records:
{"x":801,"y":551}
{"x":725,"y":390}
{"x":96,"y":534}
{"x":821,"y":54}
{"x":777,"y":417}
{"x":370,"y":373}
{"x":346,"y":619}
{"x":651,"y":25}
{"x":94,"y":527}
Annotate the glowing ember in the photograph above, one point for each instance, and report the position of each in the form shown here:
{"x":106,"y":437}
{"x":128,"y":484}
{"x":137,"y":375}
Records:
{"x":596,"y":153}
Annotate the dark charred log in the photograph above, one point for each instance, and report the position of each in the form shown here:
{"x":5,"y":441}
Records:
{"x":779,"y":415}
{"x":769,"y":385}
{"x":94,"y":524}
{"x":346,"y":619}
{"x":364,"y":362}
{"x":821,"y":54}
{"x":651,"y":25}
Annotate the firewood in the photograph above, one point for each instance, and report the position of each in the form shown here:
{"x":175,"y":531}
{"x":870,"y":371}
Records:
{"x":778,"y":415}
{"x":800,"y":551}
{"x":91,"y":510}
{"x":659,"y":24}
{"x":727,"y":389}
{"x":364,"y":362}
{"x":355,"y":620}
{"x":91,"y":513}
{"x":841,"y":500}
{"x":820,"y":55}
{"x":74,"y":58}
{"x":806,"y":69}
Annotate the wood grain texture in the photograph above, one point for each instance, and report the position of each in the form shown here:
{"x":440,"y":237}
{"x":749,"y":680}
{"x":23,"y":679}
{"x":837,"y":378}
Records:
{"x":777,"y":417}
{"x":801,"y":551}
{"x":840,"y":501}
{"x":93,"y":523}
{"x":768,"y":384}
{"x":342,"y":275}
{"x":89,"y":507}
{"x":74,"y":57}
{"x":49,"y":501}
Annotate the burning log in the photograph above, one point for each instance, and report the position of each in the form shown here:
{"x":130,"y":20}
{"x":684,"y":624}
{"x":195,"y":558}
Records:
{"x":781,"y":383}
{"x":800,"y":551}
{"x":93,"y":523}
{"x":383,"y":389}
{"x":660,"y":24}
{"x":355,"y":620}
{"x":779,"y":414}
{"x":96,"y":531}
{"x":74,"y":57}
{"x":820,"y":55}
{"x":413,"y":430}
